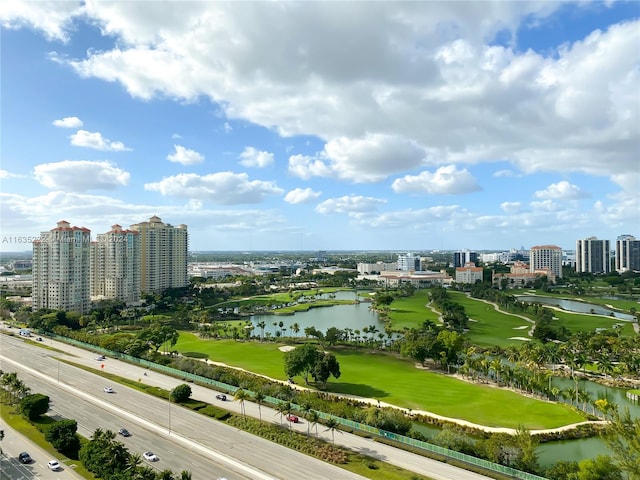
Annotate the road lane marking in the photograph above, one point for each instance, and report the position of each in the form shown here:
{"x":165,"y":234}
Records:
{"x":230,"y":462}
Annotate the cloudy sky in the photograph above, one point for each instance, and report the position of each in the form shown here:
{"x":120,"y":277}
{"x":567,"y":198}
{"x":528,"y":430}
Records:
{"x":323,"y":125}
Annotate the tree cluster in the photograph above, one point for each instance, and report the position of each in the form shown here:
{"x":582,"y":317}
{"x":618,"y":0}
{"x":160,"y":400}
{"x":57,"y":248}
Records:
{"x":307,"y":360}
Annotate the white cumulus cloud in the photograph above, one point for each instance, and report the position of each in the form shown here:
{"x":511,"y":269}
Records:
{"x":81,"y":175}
{"x":511,"y":207}
{"x":447,"y":180}
{"x":301,"y":195}
{"x":185,"y":156}
{"x":350,"y":204}
{"x":224,"y":188}
{"x":95,"y":140}
{"x":367,"y":159}
{"x":562,"y":191}
{"x":252,"y":157}
{"x":68,"y":122}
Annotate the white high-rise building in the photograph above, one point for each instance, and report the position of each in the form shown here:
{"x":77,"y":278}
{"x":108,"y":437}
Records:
{"x":627,"y":254}
{"x":115,"y":265}
{"x":593,"y":255}
{"x":61,"y":266}
{"x":164,"y":251}
{"x":546,"y":257}
{"x":409,"y":262}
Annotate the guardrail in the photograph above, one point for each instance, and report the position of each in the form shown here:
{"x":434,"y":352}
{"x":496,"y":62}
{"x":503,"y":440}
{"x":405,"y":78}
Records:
{"x":417,"y":444}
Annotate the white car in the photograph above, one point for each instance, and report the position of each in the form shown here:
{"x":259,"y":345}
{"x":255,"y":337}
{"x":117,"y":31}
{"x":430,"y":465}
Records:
{"x":150,"y":456}
{"x":54,"y":465}
{"x":108,"y":390}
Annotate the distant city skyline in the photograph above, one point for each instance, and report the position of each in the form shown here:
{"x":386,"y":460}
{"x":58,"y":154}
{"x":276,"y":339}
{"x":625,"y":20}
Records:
{"x":307,"y":126}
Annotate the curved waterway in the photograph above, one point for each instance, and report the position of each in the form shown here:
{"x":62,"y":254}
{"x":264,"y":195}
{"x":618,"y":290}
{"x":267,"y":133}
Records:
{"x":576,"y":306}
{"x":358,"y":316}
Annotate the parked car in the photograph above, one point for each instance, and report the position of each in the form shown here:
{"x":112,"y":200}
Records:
{"x":293,"y":418}
{"x":108,"y":390}
{"x":221,"y":396}
{"x":54,"y":465}
{"x":39,"y":339}
{"x":24,"y":457}
{"x":124,"y":432}
{"x":150,"y":456}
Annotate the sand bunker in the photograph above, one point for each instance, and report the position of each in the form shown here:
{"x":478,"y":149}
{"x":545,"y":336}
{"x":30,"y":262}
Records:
{"x":521,"y":328}
{"x":286,"y":348}
{"x":524,"y":339}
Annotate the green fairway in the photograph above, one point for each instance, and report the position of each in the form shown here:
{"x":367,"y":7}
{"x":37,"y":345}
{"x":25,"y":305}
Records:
{"x":582,"y":322}
{"x":487,"y":326}
{"x":410,"y":312}
{"x":398,"y":382}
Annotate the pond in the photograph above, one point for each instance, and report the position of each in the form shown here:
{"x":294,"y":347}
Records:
{"x":358,"y":316}
{"x":576,"y":306}
{"x":355,"y":317}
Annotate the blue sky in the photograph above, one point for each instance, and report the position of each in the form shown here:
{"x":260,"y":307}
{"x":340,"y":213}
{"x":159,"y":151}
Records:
{"x":323,"y":125}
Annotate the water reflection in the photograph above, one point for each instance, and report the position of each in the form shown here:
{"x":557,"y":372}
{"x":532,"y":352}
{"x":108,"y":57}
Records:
{"x":575,"y":306}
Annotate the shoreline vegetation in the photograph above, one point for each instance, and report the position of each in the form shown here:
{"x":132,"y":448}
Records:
{"x":478,"y":361}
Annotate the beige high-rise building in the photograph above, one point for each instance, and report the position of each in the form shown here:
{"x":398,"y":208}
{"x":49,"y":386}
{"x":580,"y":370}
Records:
{"x":164,"y":252}
{"x":61,"y":268}
{"x":546,"y":257}
{"x":115,"y":265}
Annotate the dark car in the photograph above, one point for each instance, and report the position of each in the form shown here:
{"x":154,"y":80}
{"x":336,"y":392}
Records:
{"x":124,"y":432}
{"x":221,"y":396}
{"x":24,"y":457}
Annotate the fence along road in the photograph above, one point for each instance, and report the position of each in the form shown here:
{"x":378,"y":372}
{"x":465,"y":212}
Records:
{"x":416,"y":463}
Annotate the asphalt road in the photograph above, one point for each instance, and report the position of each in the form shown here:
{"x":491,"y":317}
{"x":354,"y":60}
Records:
{"x":183,"y":440}
{"x":12,"y":469}
{"x":132,"y":408}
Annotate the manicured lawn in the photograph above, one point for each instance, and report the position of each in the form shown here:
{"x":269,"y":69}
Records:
{"x":489,"y":326}
{"x":410,"y":312}
{"x":579,"y":322}
{"x":397,"y":381}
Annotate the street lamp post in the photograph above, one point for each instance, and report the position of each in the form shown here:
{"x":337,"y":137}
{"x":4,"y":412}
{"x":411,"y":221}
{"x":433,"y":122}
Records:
{"x":169,"y":413}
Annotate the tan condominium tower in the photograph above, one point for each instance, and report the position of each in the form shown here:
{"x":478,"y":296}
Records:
{"x":163,"y":255}
{"x":546,"y":257}
{"x":61,"y":265}
{"x":115,"y":265}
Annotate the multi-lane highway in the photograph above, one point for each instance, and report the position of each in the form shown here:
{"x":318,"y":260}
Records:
{"x":206,"y":448}
{"x":183,"y":439}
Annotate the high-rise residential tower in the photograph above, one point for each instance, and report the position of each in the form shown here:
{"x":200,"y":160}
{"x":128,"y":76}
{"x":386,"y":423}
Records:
{"x":61,"y":266}
{"x":593,"y":255}
{"x":546,"y":257}
{"x":409,"y":262}
{"x":627,"y":254}
{"x":115,"y":265}
{"x":163,"y":255}
{"x":461,"y":258}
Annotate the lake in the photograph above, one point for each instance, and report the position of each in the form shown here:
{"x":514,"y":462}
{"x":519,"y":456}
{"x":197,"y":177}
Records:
{"x":358,"y":316}
{"x":576,"y":306}
{"x":355,"y":317}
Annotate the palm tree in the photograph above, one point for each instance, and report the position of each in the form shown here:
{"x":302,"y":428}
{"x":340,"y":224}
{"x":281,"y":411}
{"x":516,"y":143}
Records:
{"x":306,"y":409}
{"x":261,"y":325}
{"x":259,"y":397}
{"x":313,"y":418}
{"x":295,"y":328}
{"x":283,"y":408}
{"x":241,"y":395}
{"x":184,"y":475}
{"x":332,"y":425}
